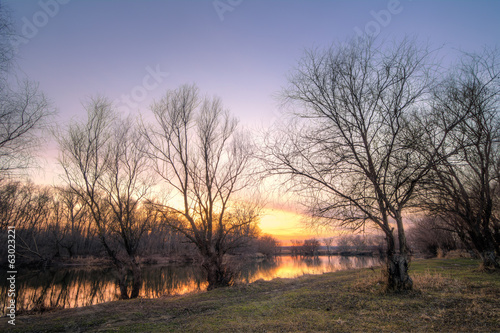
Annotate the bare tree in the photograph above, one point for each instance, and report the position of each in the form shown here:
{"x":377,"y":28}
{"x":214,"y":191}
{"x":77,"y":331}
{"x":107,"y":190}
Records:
{"x":203,"y":159}
{"x":350,"y":148}
{"x":28,"y":208}
{"x":105,"y":166}
{"x":71,"y":221}
{"x":24,"y":110}
{"x":328,"y":244}
{"x":268,"y":245}
{"x":295,"y":247}
{"x":343,"y":243}
{"x":359,"y":243}
{"x":463,"y":188}
{"x":311,"y":247}
{"x":432,"y":236}
{"x":8,"y":198}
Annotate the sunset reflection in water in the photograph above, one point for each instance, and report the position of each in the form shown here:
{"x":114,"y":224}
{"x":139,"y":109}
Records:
{"x":68,"y":288}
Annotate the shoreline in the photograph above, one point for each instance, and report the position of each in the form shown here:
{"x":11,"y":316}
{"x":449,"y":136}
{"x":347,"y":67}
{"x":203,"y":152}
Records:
{"x":92,"y":261}
{"x":449,"y":295}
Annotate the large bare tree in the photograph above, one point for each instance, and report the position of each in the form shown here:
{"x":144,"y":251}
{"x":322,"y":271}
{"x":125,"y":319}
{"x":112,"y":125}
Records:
{"x":203,"y":159}
{"x":106,"y":167}
{"x":463,"y":187}
{"x":358,"y":112}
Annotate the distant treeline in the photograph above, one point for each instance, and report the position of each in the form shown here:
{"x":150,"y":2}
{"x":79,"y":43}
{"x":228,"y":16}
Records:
{"x":426,"y":237}
{"x":53,"y":226}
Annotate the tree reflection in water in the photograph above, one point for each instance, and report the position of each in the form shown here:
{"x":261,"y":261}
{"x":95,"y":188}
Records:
{"x":68,"y":288}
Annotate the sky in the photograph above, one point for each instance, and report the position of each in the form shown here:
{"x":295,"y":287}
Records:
{"x":239,"y":50}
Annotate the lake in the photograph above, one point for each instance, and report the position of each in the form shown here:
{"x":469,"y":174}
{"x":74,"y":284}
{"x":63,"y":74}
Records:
{"x":75,"y":287}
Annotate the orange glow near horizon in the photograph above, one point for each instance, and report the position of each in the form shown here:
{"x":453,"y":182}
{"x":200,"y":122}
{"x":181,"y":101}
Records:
{"x":287,"y":226}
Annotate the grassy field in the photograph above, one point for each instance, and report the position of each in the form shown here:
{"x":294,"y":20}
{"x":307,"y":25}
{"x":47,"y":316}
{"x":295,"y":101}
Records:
{"x":450,"y":295}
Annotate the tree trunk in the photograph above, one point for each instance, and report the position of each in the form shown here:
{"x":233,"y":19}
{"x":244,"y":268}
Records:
{"x":490,"y":260}
{"x":136,"y":280}
{"x":484,"y":244}
{"x":397,"y":271}
{"x":123,"y":280}
{"x":218,"y":275}
{"x":397,"y":267}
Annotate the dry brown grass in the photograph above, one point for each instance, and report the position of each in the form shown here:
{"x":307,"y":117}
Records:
{"x":455,"y":254}
{"x":450,"y":296}
{"x":433,"y":281}
{"x":374,"y":281}
{"x":370,"y":281}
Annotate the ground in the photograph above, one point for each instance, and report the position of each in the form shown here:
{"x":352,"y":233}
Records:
{"x":450,"y":295}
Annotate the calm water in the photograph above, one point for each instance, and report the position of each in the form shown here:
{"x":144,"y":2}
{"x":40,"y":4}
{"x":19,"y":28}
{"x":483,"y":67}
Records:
{"x":68,"y":288}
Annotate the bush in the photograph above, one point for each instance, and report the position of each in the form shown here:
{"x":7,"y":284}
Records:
{"x":429,"y":236}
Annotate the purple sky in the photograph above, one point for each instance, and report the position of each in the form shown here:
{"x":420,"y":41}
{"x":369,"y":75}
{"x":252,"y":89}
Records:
{"x":240,"y":50}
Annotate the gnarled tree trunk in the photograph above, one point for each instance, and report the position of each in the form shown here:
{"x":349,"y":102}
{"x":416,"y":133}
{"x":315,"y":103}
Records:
{"x":218,"y":274}
{"x":122,"y":280}
{"x":397,"y":270}
{"x":398,"y":278}
{"x":136,"y":280}
{"x":489,"y":259}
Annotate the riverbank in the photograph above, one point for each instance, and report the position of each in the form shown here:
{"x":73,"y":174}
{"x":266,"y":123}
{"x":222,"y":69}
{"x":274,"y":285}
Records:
{"x":92,"y":261}
{"x":450,"y":295}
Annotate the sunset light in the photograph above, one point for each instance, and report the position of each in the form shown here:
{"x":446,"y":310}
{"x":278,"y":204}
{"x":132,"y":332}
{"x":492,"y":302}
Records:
{"x":287,"y":226}
{"x":249,"y":166}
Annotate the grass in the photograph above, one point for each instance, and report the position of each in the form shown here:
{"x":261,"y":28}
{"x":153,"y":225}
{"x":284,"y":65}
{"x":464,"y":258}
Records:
{"x":451,"y":295}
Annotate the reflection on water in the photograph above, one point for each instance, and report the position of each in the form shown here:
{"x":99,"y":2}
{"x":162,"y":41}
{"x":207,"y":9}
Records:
{"x":292,"y":267}
{"x":67,"y":288}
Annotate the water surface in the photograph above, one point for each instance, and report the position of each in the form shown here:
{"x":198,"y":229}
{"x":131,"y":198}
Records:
{"x":75,"y":287}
